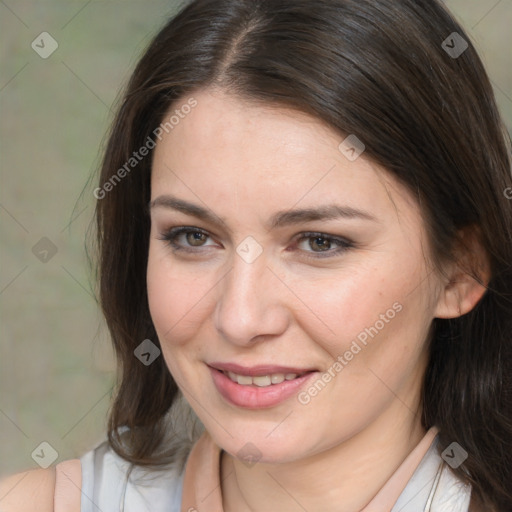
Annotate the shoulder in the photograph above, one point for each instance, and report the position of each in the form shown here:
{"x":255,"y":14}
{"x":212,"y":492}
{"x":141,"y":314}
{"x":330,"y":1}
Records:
{"x":117,"y":484}
{"x":55,"y":488}
{"x":28,"y":491}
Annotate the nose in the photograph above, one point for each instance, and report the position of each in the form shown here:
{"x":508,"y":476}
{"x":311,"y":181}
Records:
{"x":251,"y":304}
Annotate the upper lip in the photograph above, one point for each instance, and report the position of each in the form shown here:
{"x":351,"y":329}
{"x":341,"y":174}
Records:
{"x":257,"y":370}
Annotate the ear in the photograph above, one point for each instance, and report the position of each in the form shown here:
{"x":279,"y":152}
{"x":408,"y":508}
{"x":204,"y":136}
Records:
{"x":467,"y":277}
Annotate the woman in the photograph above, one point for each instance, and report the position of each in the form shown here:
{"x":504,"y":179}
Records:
{"x":305,"y":241}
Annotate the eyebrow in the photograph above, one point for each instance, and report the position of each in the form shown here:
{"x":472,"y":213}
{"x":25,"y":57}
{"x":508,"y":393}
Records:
{"x":278,"y":220}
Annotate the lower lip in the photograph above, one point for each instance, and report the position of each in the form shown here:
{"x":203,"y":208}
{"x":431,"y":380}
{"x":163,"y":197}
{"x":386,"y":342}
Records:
{"x":254,"y":397}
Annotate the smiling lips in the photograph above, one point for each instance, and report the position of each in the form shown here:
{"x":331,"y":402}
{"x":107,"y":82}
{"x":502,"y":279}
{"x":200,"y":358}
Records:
{"x":257,"y":387}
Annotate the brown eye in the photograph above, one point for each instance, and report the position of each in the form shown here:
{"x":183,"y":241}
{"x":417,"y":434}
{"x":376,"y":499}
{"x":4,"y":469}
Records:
{"x":320,"y":243}
{"x":186,"y":238}
{"x":195,"y":238}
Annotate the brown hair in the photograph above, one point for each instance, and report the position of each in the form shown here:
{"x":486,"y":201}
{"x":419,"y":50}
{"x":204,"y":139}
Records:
{"x":374,"y":68}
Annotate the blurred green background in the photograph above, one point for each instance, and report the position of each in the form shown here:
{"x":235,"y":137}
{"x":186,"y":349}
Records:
{"x":56,"y":364}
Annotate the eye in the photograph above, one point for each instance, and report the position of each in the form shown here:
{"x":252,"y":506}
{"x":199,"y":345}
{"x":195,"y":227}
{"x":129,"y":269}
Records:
{"x":314,"y":245}
{"x":322,"y":245}
{"x":185,"y":238}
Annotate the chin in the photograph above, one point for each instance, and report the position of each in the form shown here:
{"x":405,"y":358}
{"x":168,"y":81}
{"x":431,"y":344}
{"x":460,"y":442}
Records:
{"x":255,"y":445}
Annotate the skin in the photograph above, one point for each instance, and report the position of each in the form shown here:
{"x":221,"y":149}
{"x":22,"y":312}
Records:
{"x":245,"y":162}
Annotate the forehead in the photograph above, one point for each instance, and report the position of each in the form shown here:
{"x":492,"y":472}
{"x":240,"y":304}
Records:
{"x":242,"y":156}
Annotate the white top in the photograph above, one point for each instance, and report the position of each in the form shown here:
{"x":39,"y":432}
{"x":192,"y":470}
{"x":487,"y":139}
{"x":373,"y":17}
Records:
{"x":108,"y":486}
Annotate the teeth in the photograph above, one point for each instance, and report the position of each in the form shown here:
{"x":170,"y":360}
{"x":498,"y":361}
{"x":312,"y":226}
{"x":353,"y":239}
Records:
{"x":261,"y":380}
{"x":277,"y":378}
{"x":244,"y":380}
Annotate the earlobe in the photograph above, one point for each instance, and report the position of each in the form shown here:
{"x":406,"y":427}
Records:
{"x":468,"y":277}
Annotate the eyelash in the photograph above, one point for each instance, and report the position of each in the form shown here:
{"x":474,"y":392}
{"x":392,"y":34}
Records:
{"x":172,"y":234}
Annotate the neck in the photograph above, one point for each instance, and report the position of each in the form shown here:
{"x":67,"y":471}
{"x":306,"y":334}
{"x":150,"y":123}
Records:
{"x":344,"y":478}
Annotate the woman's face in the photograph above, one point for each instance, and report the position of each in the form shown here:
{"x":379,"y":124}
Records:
{"x":300,"y":258}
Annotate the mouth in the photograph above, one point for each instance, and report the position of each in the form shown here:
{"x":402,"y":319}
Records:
{"x":258,"y":387}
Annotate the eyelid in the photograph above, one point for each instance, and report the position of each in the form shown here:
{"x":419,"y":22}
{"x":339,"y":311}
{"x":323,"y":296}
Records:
{"x":170,"y":235}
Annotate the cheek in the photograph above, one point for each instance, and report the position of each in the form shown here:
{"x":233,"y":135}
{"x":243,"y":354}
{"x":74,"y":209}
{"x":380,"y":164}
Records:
{"x":163,"y":292}
{"x":378,"y":345}
{"x":342,"y":305}
{"x":171,"y":307}
{"x":177,"y":299}
{"x":370,"y":314}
